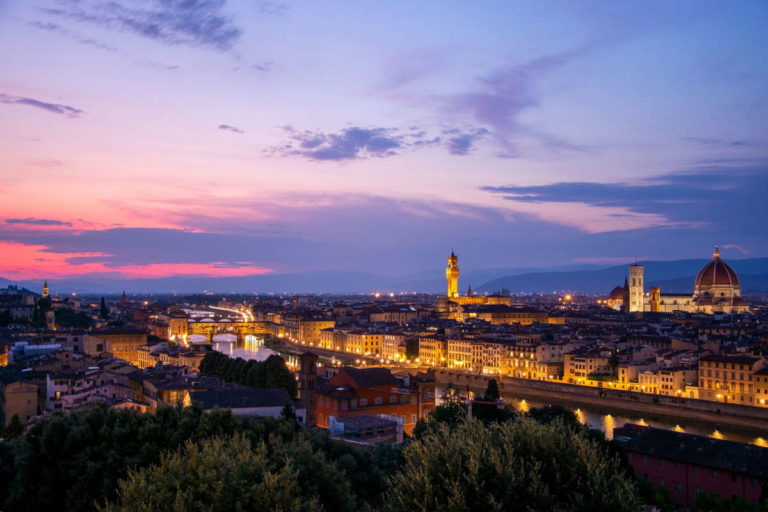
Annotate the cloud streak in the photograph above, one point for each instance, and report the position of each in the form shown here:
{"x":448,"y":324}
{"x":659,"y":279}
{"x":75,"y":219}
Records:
{"x":54,"y":108}
{"x":200,"y":23}
{"x":350,"y":143}
{"x":360,"y":143}
{"x":231,"y":129}
{"x":503,"y":95}
{"x":31,"y":221}
{"x":712,"y":196}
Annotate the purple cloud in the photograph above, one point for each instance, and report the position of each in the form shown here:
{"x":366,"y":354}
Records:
{"x":55,"y":108}
{"x":356,"y":142}
{"x":348,"y":144}
{"x":58,"y":29}
{"x":177,"y":22}
{"x":38,"y":222}
{"x":462,"y":142}
{"x":229,"y":128}
{"x":502,"y":96}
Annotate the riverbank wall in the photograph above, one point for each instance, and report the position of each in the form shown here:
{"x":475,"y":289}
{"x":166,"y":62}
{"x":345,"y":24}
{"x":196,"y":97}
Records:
{"x":635,"y":404}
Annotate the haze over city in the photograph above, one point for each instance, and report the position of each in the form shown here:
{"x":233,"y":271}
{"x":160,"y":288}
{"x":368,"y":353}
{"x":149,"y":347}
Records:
{"x":161,"y":139}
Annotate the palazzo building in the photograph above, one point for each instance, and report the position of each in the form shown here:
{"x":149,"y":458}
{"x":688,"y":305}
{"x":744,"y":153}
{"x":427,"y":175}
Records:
{"x":452,"y":298}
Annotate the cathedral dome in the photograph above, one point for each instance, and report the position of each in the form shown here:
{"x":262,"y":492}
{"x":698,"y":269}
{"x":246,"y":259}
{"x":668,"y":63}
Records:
{"x":717,"y":278}
{"x":617,"y":293}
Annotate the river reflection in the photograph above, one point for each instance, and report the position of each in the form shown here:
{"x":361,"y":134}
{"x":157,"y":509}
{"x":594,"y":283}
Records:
{"x":606,"y":420}
{"x":252,"y":347}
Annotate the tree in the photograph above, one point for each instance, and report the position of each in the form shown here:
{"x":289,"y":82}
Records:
{"x":516,"y":465}
{"x":66,"y":317}
{"x":219,"y":474}
{"x":492,"y":391}
{"x":73,"y":462}
{"x":551,"y":413}
{"x":14,"y":428}
{"x":271,"y":373}
{"x":103,"y":310}
{"x":451,"y":414}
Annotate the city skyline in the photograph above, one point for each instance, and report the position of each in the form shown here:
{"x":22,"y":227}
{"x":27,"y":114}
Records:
{"x":228,"y":139}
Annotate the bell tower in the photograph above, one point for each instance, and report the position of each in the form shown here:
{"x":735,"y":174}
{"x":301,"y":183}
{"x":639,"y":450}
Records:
{"x":308,"y":387}
{"x":46,"y":292}
{"x":636,"y":288}
{"x":452,"y":275}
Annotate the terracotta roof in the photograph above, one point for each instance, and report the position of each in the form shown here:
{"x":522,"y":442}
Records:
{"x":367,"y":377}
{"x":746,"y":459}
{"x":716,"y":273}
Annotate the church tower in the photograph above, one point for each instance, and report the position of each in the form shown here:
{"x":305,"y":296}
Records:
{"x":636,"y":288}
{"x":308,"y":387}
{"x":452,"y":275}
{"x":46,"y":292}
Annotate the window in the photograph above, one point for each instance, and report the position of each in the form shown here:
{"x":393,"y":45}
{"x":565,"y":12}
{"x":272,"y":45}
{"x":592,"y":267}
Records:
{"x":363,"y":402}
{"x":393,"y":399}
{"x":645,"y":458}
{"x":378,"y":400}
{"x":714,"y":474}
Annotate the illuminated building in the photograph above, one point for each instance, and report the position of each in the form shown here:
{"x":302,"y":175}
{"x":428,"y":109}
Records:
{"x":452,"y":276}
{"x":452,"y":298}
{"x":716,"y":290}
{"x":730,"y":379}
{"x":374,"y":392}
{"x":46,"y":292}
{"x":122,"y":343}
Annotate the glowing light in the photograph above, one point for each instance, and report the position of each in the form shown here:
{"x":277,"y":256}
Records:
{"x":678,"y":428}
{"x":580,"y":416}
{"x":761,"y":442}
{"x":717,"y":435}
{"x":642,"y":422}
{"x":609,"y":423}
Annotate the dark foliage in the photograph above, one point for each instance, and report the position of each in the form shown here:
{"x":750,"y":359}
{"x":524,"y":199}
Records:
{"x":74,"y":462}
{"x":271,"y":373}
{"x":68,"y":318}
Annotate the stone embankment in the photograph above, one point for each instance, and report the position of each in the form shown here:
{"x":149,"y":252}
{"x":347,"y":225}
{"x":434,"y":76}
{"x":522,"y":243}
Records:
{"x":732,"y":415}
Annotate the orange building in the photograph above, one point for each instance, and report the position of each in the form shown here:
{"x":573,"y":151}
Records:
{"x":375,"y":391}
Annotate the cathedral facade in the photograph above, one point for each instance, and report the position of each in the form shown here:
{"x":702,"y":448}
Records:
{"x":716,"y":289}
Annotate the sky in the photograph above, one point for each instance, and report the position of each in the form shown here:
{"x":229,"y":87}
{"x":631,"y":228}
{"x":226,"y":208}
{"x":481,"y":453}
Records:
{"x":155,"y":138}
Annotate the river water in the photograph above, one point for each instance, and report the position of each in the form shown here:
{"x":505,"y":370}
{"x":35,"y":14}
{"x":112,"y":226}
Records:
{"x":606,"y":420}
{"x":251,"y":348}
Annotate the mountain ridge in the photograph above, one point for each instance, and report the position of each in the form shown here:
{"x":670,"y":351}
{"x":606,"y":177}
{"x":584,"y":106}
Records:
{"x":672,"y":276}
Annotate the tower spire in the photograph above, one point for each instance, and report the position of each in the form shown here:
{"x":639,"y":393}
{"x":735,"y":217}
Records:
{"x":716,"y":254}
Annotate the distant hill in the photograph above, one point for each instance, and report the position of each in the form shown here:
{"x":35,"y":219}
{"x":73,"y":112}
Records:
{"x":671,"y":276}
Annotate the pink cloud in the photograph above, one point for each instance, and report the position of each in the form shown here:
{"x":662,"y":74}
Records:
{"x":739,"y":248}
{"x":21,"y":261}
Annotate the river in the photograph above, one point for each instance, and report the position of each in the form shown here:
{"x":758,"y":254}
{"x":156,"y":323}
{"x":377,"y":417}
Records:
{"x":606,"y":420}
{"x":252,"y":348}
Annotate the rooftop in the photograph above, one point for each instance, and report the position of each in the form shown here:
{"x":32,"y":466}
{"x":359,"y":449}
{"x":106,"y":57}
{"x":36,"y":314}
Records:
{"x":746,"y":459}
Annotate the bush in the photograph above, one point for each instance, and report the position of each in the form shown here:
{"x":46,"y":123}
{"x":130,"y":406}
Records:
{"x":516,"y":465}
